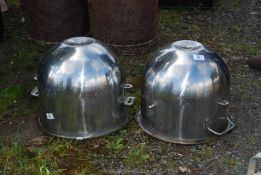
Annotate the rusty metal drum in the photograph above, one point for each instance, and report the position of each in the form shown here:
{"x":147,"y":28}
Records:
{"x":128,"y":26}
{"x":54,"y":21}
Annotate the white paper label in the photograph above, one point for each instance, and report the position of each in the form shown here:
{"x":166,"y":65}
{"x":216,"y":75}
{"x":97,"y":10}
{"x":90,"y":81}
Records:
{"x":49,"y":116}
{"x":199,"y":57}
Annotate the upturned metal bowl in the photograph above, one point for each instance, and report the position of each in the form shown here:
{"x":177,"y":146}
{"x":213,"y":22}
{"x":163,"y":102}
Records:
{"x":185,"y":94}
{"x":81,"y":90}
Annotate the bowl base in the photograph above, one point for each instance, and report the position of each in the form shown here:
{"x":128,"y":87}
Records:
{"x":154,"y":133}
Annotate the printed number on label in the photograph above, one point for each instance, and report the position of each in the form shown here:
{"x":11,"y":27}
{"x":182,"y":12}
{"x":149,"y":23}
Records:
{"x":199,"y":57}
{"x":49,"y":116}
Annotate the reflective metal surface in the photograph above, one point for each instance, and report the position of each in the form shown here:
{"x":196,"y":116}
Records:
{"x":81,"y":91}
{"x":185,"y":94}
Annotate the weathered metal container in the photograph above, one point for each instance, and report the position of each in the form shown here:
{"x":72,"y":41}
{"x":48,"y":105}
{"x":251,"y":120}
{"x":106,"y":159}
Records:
{"x":1,"y":27}
{"x":53,"y":21}
{"x":186,"y":3}
{"x":129,"y":26}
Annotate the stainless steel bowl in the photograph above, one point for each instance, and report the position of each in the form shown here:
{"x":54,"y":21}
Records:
{"x":81,"y":90}
{"x":185,"y":94}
